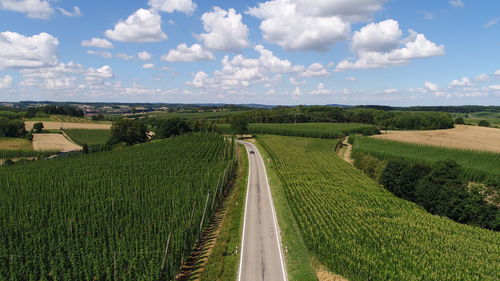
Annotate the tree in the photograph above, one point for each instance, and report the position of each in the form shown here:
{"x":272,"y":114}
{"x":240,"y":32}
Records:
{"x":172,"y":127}
{"x":85,"y":148}
{"x":38,"y":127}
{"x":460,"y":121}
{"x":239,"y":124}
{"x":128,"y":131}
{"x":484,"y":123}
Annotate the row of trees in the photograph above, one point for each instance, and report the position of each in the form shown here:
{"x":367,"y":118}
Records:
{"x":13,"y":128}
{"x":384,"y":119}
{"x":440,"y":189}
{"x":54,"y":109}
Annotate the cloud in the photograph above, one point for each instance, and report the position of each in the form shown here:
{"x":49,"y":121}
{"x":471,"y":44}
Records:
{"x":293,"y":28}
{"x":142,"y":26}
{"x":76,"y":12}
{"x":124,"y":56}
{"x":170,"y":6}
{"x":463,"y":82}
{"x":494,"y":87}
{"x":482,"y":78}
{"x":183,"y":53}
{"x":492,"y":22}
{"x":391,"y":91}
{"x":297,"y":93}
{"x":457,"y":3}
{"x":148,"y":66}
{"x":497,"y":72}
{"x":225,"y":30}
{"x":103,"y":54}
{"x":37,"y":9}
{"x":295,"y":82}
{"x":144,"y":55}
{"x":351,"y":79}
{"x":19,"y":51}
{"x":315,"y":70}
{"x":321,"y":90}
{"x":240,"y":72}
{"x":431,"y":86}
{"x":98,"y":43}
{"x":377,"y":37}
{"x":349,"y":10}
{"x":5,"y":82}
{"x":371,"y":54}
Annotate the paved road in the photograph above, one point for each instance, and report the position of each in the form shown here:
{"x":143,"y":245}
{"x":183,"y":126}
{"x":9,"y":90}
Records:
{"x":261,"y":253}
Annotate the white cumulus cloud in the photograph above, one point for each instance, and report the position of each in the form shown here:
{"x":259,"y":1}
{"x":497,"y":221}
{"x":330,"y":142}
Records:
{"x":19,"y":51}
{"x":98,"y":43}
{"x":170,"y":6}
{"x":6,"y":82}
{"x":148,"y":66}
{"x":415,"y":46}
{"x":38,"y":9}
{"x":315,"y":70}
{"x":349,"y":10}
{"x":431,"y":86}
{"x":284,"y":23}
{"x":103,"y":54}
{"x":142,"y":26}
{"x":463,"y":82}
{"x":224,"y":30}
{"x":144,"y":55}
{"x":183,"y":53}
{"x":378,"y":37}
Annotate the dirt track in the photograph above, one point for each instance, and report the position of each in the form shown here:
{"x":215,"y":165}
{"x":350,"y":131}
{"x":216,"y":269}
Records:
{"x":44,"y":142}
{"x":66,"y":125}
{"x":465,"y":137}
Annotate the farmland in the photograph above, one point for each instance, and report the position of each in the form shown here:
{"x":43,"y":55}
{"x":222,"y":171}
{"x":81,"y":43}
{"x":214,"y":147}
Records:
{"x":464,"y":137}
{"x":67,"y":125}
{"x":315,"y":130}
{"x":362,"y":232}
{"x":129,"y":214}
{"x":15,"y":144}
{"x":478,"y":165}
{"x":53,"y":142}
{"x":90,"y":137}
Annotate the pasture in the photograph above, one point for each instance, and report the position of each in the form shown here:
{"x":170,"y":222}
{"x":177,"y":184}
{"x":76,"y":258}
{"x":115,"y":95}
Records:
{"x":89,"y":137}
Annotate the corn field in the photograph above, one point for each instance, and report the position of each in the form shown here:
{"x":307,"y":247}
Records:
{"x":361,"y":231}
{"x":312,"y":130}
{"x":128,"y":214}
{"x":478,"y":166}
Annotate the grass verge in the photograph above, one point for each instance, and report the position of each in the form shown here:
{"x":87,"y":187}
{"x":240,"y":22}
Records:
{"x":224,"y":260}
{"x":299,"y":263}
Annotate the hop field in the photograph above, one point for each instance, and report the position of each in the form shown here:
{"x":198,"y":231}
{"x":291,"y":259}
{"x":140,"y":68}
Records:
{"x":129,"y":214}
{"x":478,"y":166}
{"x":90,"y":137}
{"x":362,"y":232}
{"x":312,"y":130}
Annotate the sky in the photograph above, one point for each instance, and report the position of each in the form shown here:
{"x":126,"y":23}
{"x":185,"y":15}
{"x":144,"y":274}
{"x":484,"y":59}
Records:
{"x":388,"y":52}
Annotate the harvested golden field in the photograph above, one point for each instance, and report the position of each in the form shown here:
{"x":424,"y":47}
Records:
{"x":66,"y":125}
{"x":462,"y":136}
{"x":45,"y":142}
{"x":15,"y":144}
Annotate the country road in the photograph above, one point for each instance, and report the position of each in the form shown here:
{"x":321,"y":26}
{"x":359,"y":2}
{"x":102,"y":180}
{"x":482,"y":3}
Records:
{"x":261,"y":253}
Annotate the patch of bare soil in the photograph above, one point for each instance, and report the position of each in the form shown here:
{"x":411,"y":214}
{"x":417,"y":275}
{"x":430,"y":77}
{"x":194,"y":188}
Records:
{"x":46,"y":142}
{"x":324,"y":275}
{"x":345,"y":151}
{"x":67,"y":125}
{"x":462,"y":136}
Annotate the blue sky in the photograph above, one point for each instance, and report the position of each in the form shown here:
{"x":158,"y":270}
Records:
{"x":393,"y":52}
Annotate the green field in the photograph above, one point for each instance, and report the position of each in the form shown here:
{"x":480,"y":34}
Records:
{"x":478,"y":166}
{"x":361,"y":231}
{"x":109,"y":215}
{"x":90,"y":137}
{"x":313,"y":130}
{"x":474,"y":118}
{"x":15,"y":144}
{"x":196,"y":115}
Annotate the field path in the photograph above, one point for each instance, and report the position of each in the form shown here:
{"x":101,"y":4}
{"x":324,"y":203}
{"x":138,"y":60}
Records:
{"x":462,"y":136}
{"x":46,"y":142}
{"x":261,"y":253}
{"x":346,"y":151}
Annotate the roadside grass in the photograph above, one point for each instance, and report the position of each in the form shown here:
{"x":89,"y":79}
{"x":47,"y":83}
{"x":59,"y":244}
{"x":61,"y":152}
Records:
{"x":15,"y":144}
{"x":299,"y":263}
{"x":224,"y":261}
{"x":89,"y":137}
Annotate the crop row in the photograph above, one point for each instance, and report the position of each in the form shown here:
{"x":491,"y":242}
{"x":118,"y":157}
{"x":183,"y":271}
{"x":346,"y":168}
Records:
{"x":478,"y":166}
{"x":128,"y":214}
{"x":313,"y":130}
{"x":361,"y":231}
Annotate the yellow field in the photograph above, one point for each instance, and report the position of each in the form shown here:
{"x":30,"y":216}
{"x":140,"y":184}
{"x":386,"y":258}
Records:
{"x":15,"y":144}
{"x":464,"y":137}
{"x":67,"y":125}
{"x":46,"y":142}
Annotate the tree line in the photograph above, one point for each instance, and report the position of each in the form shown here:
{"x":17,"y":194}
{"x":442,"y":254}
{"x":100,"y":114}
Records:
{"x":381,"y":118}
{"x":54,"y":110}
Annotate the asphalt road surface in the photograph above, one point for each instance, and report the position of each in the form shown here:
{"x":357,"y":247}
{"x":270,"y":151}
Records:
{"x":261,"y":253}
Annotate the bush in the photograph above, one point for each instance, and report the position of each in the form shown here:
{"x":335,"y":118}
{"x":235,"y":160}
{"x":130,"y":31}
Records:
{"x":484,"y":123}
{"x":369,"y":164}
{"x":38,"y":127}
{"x":172,"y":127}
{"x":128,"y":131}
{"x":460,"y":121}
